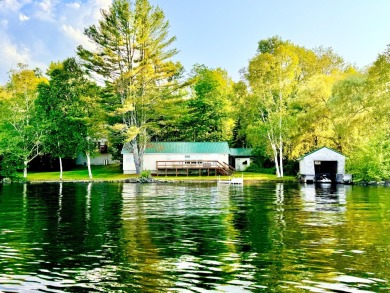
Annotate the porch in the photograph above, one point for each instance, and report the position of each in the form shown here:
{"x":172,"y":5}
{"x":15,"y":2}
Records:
{"x":184,"y":167}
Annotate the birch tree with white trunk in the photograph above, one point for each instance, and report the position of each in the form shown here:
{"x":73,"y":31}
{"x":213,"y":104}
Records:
{"x":273,"y":76}
{"x":62,"y":108}
{"x":22,"y":133}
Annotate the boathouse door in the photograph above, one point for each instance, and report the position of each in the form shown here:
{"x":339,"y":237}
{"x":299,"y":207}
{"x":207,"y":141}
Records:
{"x":327,"y":168}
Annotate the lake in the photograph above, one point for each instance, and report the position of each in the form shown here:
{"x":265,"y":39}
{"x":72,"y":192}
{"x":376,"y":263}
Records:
{"x":124,"y":237}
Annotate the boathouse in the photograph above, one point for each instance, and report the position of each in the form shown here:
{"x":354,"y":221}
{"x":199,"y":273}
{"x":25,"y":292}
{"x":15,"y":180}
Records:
{"x":163,"y":158}
{"x":322,"y":162}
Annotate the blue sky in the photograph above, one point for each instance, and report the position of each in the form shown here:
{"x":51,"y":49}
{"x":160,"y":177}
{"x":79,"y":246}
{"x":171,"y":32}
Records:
{"x":217,"y":33}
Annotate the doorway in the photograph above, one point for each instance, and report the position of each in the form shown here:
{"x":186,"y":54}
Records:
{"x":325,"y":168}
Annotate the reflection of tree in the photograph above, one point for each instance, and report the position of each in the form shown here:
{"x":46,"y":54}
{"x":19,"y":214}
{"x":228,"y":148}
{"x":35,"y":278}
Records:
{"x":277,"y":238}
{"x":58,"y":227}
{"x":12,"y":203}
{"x":366,"y":231}
{"x":193,"y":230}
{"x":138,"y":247}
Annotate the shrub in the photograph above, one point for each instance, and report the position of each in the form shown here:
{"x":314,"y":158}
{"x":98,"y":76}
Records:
{"x":9,"y":165}
{"x":253,"y":167}
{"x":145,"y":177}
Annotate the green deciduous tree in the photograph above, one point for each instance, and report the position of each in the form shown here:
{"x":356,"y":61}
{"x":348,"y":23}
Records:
{"x":69,"y":111}
{"x":369,"y":151}
{"x":290,"y":91}
{"x":21,"y":133}
{"x":133,"y":58}
{"x":273,"y":78}
{"x":350,"y":112}
{"x":209,"y":115}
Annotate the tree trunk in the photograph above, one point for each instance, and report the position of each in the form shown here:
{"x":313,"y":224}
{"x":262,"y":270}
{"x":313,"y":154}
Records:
{"x":280,"y":131}
{"x":138,"y":154}
{"x":60,"y":159}
{"x":275,"y":151}
{"x":137,"y":162}
{"x":25,"y":169}
{"x":281,"y":157}
{"x":89,"y":164}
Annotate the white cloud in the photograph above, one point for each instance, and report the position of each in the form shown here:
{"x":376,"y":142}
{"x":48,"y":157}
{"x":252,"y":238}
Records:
{"x":73,"y":24}
{"x":97,"y":6}
{"x":77,"y":36}
{"x":11,"y":55}
{"x":23,"y":17}
{"x":38,"y":43}
{"x":10,"y":5}
{"x":75,"y":5}
{"x":44,"y":11}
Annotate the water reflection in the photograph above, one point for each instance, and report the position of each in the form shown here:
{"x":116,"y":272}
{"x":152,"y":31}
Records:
{"x":324,"y":197}
{"x":194,"y":238}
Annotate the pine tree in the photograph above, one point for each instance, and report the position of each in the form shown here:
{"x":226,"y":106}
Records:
{"x":132,"y":57}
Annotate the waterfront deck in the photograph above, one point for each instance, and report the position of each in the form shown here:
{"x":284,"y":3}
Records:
{"x":184,"y":167}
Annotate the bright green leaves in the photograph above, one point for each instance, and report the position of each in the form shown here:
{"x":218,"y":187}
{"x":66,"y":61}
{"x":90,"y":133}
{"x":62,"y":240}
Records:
{"x":21,"y":133}
{"x":133,"y":57}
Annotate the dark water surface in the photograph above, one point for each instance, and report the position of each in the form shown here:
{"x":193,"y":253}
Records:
{"x":194,"y":238}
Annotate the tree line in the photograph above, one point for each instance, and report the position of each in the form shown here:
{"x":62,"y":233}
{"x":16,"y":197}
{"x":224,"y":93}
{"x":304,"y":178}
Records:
{"x":289,"y":101}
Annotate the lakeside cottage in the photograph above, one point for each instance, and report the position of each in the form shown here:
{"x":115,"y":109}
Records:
{"x":184,"y":157}
{"x":321,"y":163}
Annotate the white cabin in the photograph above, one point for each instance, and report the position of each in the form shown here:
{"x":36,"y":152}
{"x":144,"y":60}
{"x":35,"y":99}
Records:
{"x":179,"y":156}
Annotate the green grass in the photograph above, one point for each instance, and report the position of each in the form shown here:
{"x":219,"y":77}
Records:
{"x":114,"y":172}
{"x":110,"y":172}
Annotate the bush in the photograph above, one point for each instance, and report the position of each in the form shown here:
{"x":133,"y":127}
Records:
{"x":253,"y":167}
{"x":146,"y":174}
{"x":9,"y":165}
{"x":291,"y":168}
{"x":145,"y":177}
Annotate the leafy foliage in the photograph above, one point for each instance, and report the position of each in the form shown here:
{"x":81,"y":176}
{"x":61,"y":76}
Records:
{"x":21,"y":132}
{"x":63,"y":106}
{"x":209,"y":109}
{"x":133,"y":58}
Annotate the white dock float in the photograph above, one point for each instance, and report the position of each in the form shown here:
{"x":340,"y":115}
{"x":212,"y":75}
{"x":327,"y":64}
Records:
{"x":232,"y":181}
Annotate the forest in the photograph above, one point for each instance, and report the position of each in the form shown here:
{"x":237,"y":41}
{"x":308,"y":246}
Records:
{"x":290,"y":100}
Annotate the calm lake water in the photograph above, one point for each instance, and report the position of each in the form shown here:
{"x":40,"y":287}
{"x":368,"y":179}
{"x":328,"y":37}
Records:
{"x":194,"y":238}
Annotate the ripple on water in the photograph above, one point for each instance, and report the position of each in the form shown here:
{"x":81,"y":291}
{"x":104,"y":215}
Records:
{"x":193,"y":238}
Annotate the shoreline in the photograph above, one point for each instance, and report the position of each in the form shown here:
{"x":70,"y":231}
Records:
{"x":145,"y":181}
{"x":170,"y":181}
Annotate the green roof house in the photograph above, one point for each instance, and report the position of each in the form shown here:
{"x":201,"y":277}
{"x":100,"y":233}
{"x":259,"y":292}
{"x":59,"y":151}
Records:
{"x":179,"y":156}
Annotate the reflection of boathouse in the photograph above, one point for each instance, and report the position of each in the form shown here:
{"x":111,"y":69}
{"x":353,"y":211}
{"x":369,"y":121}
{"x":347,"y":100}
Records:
{"x":323,"y":162}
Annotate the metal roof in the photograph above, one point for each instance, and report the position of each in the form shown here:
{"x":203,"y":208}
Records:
{"x":241,"y":152}
{"x":183,"y":148}
{"x":187,"y":148}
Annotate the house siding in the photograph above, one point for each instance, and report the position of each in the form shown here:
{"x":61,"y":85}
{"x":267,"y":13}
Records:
{"x":176,"y":151}
{"x":101,"y":159}
{"x":306,"y":164}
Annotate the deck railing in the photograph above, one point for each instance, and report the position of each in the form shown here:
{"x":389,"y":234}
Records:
{"x":200,"y":165}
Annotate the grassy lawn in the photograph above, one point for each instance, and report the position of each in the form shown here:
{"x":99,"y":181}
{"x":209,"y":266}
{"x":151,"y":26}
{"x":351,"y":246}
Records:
{"x":110,"y":172}
{"x":114,"y":172}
